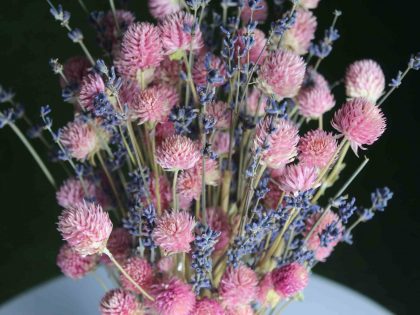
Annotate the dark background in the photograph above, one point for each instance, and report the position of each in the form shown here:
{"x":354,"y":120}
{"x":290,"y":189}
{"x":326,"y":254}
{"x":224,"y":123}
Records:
{"x":384,"y":261}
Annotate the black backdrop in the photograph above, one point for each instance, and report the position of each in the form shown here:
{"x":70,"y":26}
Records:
{"x":383,"y":263}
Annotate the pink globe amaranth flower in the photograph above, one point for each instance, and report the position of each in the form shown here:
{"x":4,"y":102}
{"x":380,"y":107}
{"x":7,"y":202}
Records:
{"x":164,"y":130}
{"x":257,"y":16}
{"x":72,"y":264}
{"x":251,"y":56}
{"x":316,"y":148}
{"x":289,"y":279}
{"x":212,"y":171}
{"x":266,"y":294}
{"x":108,"y":34}
{"x":314,"y":242}
{"x":175,"y":39}
{"x":71,"y":192}
{"x":272,"y":198}
{"x":189,"y":185}
{"x":86,"y":227}
{"x":80,"y":139}
{"x":173,"y":297}
{"x":218,"y":221}
{"x":75,"y":69}
{"x":129,"y":92}
{"x":315,"y":102}
{"x":366,"y":79}
{"x":140,"y":271}
{"x":203,"y":65}
{"x":119,"y":244}
{"x":174,"y":232}
{"x":154,"y":104}
{"x":313,"y":79}
{"x":165,"y":192}
{"x":298,"y":178}
{"x":141,"y":52}
{"x":120,"y":302}
{"x":256,"y":103}
{"x":299,"y":37}
{"x":309,"y":4}
{"x":168,"y":72}
{"x":281,"y":74}
{"x":238,"y":286}
{"x":166,"y":264}
{"x":361,"y":122}
{"x":282,"y":142}
{"x":220,"y":143}
{"x":207,"y":306}
{"x":178,"y":153}
{"x":161,"y":8}
{"x":239,"y":310}
{"x":91,"y":86}
{"x":185,"y":202}
{"x":221,"y":114}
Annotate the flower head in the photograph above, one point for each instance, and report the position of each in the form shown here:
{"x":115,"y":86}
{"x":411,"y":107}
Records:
{"x":205,"y":64}
{"x":298,"y":38}
{"x":176,"y":34}
{"x":257,"y":15}
{"x":314,"y":102}
{"x":140,"y":271}
{"x":266,"y":294}
{"x":314,"y":242}
{"x":220,"y":143}
{"x":120,"y":302}
{"x":256,"y":103}
{"x":298,"y":178}
{"x":86,"y":227}
{"x":71,"y":192}
{"x":74,"y":70}
{"x":258,"y":47}
{"x":161,"y":8}
{"x":164,"y":130}
{"x":166,"y":263}
{"x":218,"y":222}
{"x":168,"y":72}
{"x":282,"y":74}
{"x":316,"y":148}
{"x":207,"y":306}
{"x":361,"y":122}
{"x":80,"y":139}
{"x":189,"y":185}
{"x":290,"y":279}
{"x":91,"y":86}
{"x":309,"y":4}
{"x":141,"y":51}
{"x":366,"y":79}
{"x":238,"y":286}
{"x":154,"y":104}
{"x":174,"y":232}
{"x":221,"y":114}
{"x":72,"y":264}
{"x":178,"y":153}
{"x":173,"y":297}
{"x":119,"y":244}
{"x":282,"y":142}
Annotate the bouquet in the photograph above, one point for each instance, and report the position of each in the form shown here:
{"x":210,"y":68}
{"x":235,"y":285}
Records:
{"x":201,"y":152}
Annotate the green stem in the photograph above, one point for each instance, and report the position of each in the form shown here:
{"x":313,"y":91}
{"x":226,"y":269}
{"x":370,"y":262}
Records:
{"x":174,"y":195}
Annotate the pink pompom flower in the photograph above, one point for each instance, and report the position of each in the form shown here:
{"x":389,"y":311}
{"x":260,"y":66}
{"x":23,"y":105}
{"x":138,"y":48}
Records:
{"x":178,"y":153}
{"x":299,"y":37}
{"x":72,"y":264}
{"x":314,"y":242}
{"x":207,"y":306}
{"x":119,"y":244}
{"x":120,"y":302}
{"x":298,"y":178}
{"x":314,"y":102}
{"x":239,"y":310}
{"x":91,"y":86}
{"x":203,"y":65}
{"x":176,"y":40}
{"x":161,"y":8}
{"x":174,"y":232}
{"x":258,"y":47}
{"x":80,"y":139}
{"x":71,"y":192}
{"x":75,"y":69}
{"x":282,"y":142}
{"x":129,"y":92}
{"x":266,"y":294}
{"x":290,"y":279}
{"x":189,"y":185}
{"x":257,"y":15}
{"x":281,"y":74}
{"x":168,"y":72}
{"x":218,"y":221}
{"x":256,"y":103}
{"x":164,"y":130}
{"x":173,"y":297}
{"x":366,"y":79}
{"x":166,"y":263}
{"x":154,"y":104}
{"x":221,"y":114}
{"x":309,"y":4}
{"x":141,"y":52}
{"x":238,"y":286}
{"x":140,"y":271}
{"x":316,"y":148}
{"x":361,"y":122}
{"x":220,"y":143}
{"x":86,"y":227}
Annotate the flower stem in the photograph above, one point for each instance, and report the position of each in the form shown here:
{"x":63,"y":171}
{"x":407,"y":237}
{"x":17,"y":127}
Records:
{"x":121,"y":269}
{"x":83,"y":5}
{"x":174,"y":195}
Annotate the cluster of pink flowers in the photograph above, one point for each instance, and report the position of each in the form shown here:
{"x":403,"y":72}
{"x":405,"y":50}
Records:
{"x":198,"y":171}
